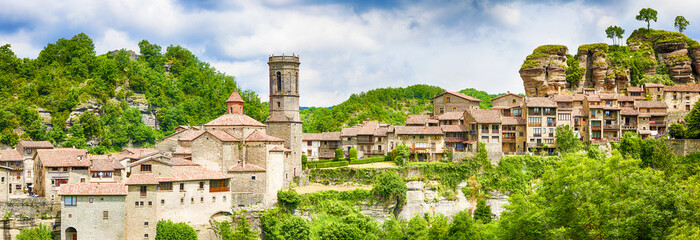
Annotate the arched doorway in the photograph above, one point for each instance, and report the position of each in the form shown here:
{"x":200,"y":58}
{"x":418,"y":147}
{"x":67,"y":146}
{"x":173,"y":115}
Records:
{"x":71,"y":234}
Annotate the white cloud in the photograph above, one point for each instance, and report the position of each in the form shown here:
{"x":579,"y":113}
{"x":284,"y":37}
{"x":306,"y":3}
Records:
{"x":479,"y":44}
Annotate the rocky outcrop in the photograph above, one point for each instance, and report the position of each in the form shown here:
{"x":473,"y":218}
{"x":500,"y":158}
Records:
{"x":675,"y":56}
{"x":544,"y":71}
{"x":695,"y":64}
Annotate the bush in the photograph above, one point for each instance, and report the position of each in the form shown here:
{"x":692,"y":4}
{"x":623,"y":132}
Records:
{"x":304,"y":160}
{"x":369,"y":160}
{"x":352,"y":154}
{"x":677,"y":131}
{"x":42,"y":232}
{"x":288,"y":199}
{"x":338,"y":154}
{"x":326,"y":164}
{"x":167,"y":230}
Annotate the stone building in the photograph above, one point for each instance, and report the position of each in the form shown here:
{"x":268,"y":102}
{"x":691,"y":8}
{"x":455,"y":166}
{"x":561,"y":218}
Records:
{"x":284,"y":120}
{"x":456,"y":137}
{"x":654,"y":90}
{"x":541,"y":124}
{"x":12,"y":174}
{"x":89,"y":210}
{"x":426,"y":143}
{"x":508,"y":100}
{"x":450,"y":118}
{"x":55,"y":167}
{"x":311,"y":144}
{"x":28,"y":150}
{"x":484,"y":125}
{"x":369,"y":138}
{"x":5,"y":188}
{"x":681,"y":98}
{"x":453,"y":102}
{"x":320,"y":146}
{"x":513,"y":135}
{"x":652,"y":117}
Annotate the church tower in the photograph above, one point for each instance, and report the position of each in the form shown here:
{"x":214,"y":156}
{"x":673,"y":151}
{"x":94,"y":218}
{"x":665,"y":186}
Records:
{"x":284,"y":121}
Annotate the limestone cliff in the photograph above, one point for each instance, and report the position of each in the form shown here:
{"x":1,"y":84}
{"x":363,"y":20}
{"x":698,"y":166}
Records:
{"x":545,"y":70}
{"x":613,"y":68}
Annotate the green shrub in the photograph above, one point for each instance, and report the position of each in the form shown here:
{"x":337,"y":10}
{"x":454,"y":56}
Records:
{"x":338,"y":154}
{"x":369,"y":160}
{"x":328,"y":164}
{"x":352,"y":154}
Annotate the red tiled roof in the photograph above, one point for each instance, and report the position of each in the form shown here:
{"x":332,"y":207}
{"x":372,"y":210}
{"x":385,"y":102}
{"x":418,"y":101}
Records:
{"x":258,"y":136}
{"x":563,"y":98}
{"x":279,"y":149}
{"x":141,"y":179}
{"x":646,"y":85}
{"x":453,"y":128}
{"x":451,"y":116}
{"x":417,"y":130}
{"x":513,"y":121}
{"x":157,"y":158}
{"x":540,"y":102}
{"x":644,"y":115}
{"x":417,"y":119}
{"x":10,"y":155}
{"x":485,"y":115}
{"x":93,"y":189}
{"x":608,"y":96}
{"x":235,"y":97}
{"x":35,"y":144}
{"x":105,"y":164}
{"x":460,"y":95}
{"x":683,"y":88}
{"x":222,"y":136}
{"x":628,"y":98}
{"x":234,"y":120}
{"x":189,"y":173}
{"x":182,"y":162}
{"x":246,"y":168}
{"x":507,"y":94}
{"x":635,"y":89}
{"x":190,"y":135}
{"x":593,"y":98}
{"x":628,"y":111}
{"x":63,"y":157}
{"x":650,"y":104}
{"x":325,"y":136}
{"x":381,"y":132}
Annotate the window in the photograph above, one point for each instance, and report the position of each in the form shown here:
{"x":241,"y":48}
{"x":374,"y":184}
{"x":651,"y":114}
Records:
{"x":308,"y":143}
{"x":213,"y":199}
{"x":145,"y":167}
{"x":70,"y":201}
{"x":564,"y":117}
{"x":90,"y":200}
{"x":279,"y":81}
{"x":150,"y":203}
{"x":547,"y":111}
{"x":201,"y":200}
{"x":82,"y":180}
{"x":224,"y":198}
{"x":182,"y":187}
{"x":182,"y":201}
{"x":192,"y":200}
{"x":165,"y":186}
{"x":201,"y":185}
{"x":537,"y":132}
{"x":536,"y":121}
{"x":448,"y":99}
{"x":252,"y":177}
{"x":105,"y":215}
{"x":145,"y":223}
{"x":442,"y":110}
{"x":162,"y":201}
{"x":136,"y":203}
{"x":220,"y":185}
{"x":58,"y":182}
{"x":145,"y":235}
{"x":143,"y":189}
{"x":454,"y":109}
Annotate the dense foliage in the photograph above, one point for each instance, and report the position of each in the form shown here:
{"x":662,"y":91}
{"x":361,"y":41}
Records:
{"x":68,"y":74}
{"x":481,"y":95}
{"x":42,"y":232}
{"x":167,"y":230}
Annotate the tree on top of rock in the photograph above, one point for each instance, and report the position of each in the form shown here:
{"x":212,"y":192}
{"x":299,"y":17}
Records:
{"x":615,"y":32}
{"x":681,"y":23}
{"x":646,"y":15}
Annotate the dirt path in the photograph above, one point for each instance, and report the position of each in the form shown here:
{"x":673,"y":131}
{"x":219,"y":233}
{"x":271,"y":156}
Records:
{"x":317,"y":187}
{"x":375,"y":165}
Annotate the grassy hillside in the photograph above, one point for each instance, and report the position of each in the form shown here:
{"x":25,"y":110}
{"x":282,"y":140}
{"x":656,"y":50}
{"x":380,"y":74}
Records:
{"x":68,"y":74}
{"x":386,"y":105}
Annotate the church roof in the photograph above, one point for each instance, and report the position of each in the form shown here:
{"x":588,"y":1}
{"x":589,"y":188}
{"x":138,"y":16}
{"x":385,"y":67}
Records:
{"x":234,"y":120}
{"x":235,"y":97}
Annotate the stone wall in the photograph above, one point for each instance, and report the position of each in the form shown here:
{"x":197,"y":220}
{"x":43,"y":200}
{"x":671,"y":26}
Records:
{"x":684,"y":146}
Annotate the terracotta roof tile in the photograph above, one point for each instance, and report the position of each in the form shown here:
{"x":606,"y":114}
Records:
{"x":451,"y":116}
{"x":222,"y":136}
{"x":635,"y":89}
{"x":190,"y":135}
{"x":258,"y":136}
{"x":460,"y":95}
{"x":628,"y":111}
{"x":593,"y":98}
{"x":646,"y":85}
{"x":183,"y":150}
{"x":10,"y":155}
{"x":417,"y":130}
{"x":507,"y":94}
{"x":35,"y":144}
{"x":349,"y":132}
{"x":93,"y":189}
{"x":513,"y":121}
{"x":578,"y":112}
{"x":608,"y":96}
{"x":485,"y":115}
{"x":629,"y":98}
{"x":311,"y":136}
{"x":105,"y":164}
{"x":158,"y":158}
{"x":563,"y":98}
{"x":190,"y":173}
{"x":683,"y":88}
{"x":63,"y":157}
{"x":235,"y":120}
{"x":235,"y":97}
{"x":644,"y":115}
{"x":417,"y":119}
{"x":540,"y":102}
{"x":246,"y":168}
{"x":381,"y":132}
{"x":650,"y":104}
{"x":279,"y":149}
{"x":141,"y":179}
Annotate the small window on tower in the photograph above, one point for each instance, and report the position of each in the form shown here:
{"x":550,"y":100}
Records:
{"x":278,"y":104}
{"x":279,"y":81}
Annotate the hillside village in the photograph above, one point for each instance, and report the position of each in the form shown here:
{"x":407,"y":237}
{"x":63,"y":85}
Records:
{"x":235,"y":162}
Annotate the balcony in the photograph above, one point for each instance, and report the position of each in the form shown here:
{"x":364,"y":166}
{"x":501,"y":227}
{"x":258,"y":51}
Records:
{"x":537,"y":134}
{"x":333,"y":145}
{"x":495,"y":131}
{"x":453,"y":139}
{"x":657,"y":123}
{"x":596,"y":128}
{"x":534,"y":124}
{"x":611,"y":127}
{"x":508,"y":139}
{"x":629,"y":127}
{"x":550,"y":135}
{"x":365,"y":141}
{"x":551,"y":124}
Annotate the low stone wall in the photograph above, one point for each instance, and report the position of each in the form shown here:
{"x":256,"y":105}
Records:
{"x":684,"y":146}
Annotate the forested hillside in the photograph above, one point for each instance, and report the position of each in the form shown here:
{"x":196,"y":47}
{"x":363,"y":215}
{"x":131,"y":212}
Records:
{"x":68,"y":74}
{"x":386,"y":105}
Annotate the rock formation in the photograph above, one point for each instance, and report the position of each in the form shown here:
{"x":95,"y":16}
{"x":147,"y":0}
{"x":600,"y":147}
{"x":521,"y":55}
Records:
{"x":544,"y":71}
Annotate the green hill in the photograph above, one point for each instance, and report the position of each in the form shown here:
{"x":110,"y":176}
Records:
{"x":386,"y":105}
{"x":68,"y":74}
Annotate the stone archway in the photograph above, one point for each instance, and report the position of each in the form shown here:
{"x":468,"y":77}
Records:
{"x":71,"y":234}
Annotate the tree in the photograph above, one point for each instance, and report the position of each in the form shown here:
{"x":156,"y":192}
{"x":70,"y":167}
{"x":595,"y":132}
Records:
{"x":167,"y":230}
{"x":482,"y":213}
{"x":393,"y":229}
{"x":676,"y":131}
{"x":295,"y":228}
{"x":566,"y":140}
{"x":400,"y":154}
{"x":417,"y":228}
{"x":647,"y":15}
{"x":340,"y":231}
{"x":242,"y":231}
{"x":681,"y":23}
{"x":614,"y":33}
{"x":462,"y":227}
{"x":288,"y":199}
{"x":352,"y":154}
{"x":610,"y":33}
{"x":692,"y":122}
{"x":338,"y":154}
{"x":439,"y":227}
{"x":91,"y":124}
{"x":304,"y":160}
{"x":42,"y":232}
{"x":389,"y":186}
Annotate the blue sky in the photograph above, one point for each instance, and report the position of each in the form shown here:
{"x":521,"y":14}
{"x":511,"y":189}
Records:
{"x":345,"y":46}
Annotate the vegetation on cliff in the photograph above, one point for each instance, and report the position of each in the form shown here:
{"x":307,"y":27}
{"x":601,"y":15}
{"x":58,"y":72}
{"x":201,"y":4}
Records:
{"x":68,"y":74}
{"x":542,"y":52}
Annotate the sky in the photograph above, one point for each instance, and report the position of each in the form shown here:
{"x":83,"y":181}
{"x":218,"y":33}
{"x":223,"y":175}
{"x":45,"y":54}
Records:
{"x":345,"y":47}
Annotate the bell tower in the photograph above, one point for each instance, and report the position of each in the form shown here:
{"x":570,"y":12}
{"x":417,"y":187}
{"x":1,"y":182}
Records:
{"x":284,"y":121}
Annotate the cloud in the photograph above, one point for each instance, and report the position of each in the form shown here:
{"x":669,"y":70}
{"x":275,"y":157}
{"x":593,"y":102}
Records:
{"x":345,"y":48}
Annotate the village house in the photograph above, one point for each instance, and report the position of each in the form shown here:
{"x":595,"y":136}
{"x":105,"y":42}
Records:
{"x":28,"y":150}
{"x":426,"y":143}
{"x":453,"y":102}
{"x":12,"y":164}
{"x":55,"y":167}
{"x":369,"y":138}
{"x":652,"y":117}
{"x":541,"y":124}
{"x":93,"y":209}
{"x":681,"y":98}
{"x":5,"y":188}
{"x":484,"y":125}
{"x":320,"y":146}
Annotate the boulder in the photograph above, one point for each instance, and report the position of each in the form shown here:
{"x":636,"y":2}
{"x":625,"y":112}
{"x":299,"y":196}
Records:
{"x":545,"y":70}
